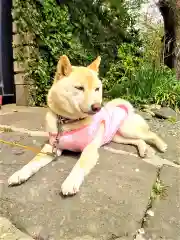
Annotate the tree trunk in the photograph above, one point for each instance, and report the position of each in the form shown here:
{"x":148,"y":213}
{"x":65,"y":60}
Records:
{"x":169,"y":38}
{"x":177,"y":25}
{"x":170,"y":10}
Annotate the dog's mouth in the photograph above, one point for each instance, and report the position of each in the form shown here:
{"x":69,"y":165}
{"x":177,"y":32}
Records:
{"x":94,"y":109}
{"x":90,"y":112}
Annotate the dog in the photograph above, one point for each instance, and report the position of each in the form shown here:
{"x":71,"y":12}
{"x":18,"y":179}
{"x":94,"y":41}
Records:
{"x":76,"y":121}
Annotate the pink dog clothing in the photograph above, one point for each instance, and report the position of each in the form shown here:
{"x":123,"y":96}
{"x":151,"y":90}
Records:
{"x":77,"y":140}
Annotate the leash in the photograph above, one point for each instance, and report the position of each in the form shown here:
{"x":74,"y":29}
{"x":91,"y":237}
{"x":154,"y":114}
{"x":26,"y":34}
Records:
{"x":32,"y":149}
{"x":59,"y":123}
{"x":55,"y":150}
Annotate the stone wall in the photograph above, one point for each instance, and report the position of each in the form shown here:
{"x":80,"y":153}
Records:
{"x":23,"y":48}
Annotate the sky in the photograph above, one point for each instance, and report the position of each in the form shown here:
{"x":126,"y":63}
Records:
{"x":152,"y":11}
{"x":149,"y":14}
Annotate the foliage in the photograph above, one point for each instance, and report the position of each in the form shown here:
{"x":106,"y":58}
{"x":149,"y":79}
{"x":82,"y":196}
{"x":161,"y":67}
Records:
{"x":81,"y":31}
{"x":150,"y":85}
{"x":152,"y":43}
{"x":131,"y":60}
{"x":53,"y":37}
{"x":100,"y":26}
{"x":128,"y":59}
{"x":139,"y":76}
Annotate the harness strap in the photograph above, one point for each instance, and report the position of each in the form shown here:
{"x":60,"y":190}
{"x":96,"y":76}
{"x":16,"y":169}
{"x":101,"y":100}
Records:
{"x":59,"y":122}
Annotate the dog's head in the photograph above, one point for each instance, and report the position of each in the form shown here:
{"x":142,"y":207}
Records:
{"x":76,"y":91}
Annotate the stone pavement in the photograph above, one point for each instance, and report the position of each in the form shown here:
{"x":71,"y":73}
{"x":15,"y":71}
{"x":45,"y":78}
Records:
{"x":124,"y":197}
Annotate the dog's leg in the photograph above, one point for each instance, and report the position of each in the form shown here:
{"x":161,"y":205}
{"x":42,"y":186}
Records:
{"x":87,"y":161}
{"x":152,"y":138}
{"x":135,"y":127}
{"x":39,"y":161}
{"x":141,"y":145}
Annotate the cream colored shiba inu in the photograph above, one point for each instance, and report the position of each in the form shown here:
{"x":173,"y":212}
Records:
{"x":76,"y":121}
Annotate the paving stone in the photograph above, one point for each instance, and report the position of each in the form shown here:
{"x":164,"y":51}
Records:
{"x":27,"y":120}
{"x":164,"y":112}
{"x":111,"y":201}
{"x":166,"y":221}
{"x":9,"y":232}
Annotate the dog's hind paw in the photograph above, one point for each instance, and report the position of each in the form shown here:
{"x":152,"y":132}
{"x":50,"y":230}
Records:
{"x":142,"y":147}
{"x":163,"y":147}
{"x":18,"y":177}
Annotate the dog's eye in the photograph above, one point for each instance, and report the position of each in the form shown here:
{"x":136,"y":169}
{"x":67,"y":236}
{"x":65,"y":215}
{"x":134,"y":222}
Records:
{"x":80,"y":88}
{"x":97,"y":89}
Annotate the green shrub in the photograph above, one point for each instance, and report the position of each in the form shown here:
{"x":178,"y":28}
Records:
{"x":149,"y":85}
{"x":81,"y":31}
{"x":139,"y":76}
{"x":127,"y":62}
{"x":53,"y":37}
{"x":131,"y":66}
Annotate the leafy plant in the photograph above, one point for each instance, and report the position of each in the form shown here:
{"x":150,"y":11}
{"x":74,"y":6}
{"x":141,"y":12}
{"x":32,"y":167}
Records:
{"x":127,"y":62}
{"x":139,"y":75}
{"x":81,"y":31}
{"x":150,"y":85}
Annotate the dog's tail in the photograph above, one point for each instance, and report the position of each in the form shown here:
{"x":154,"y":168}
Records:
{"x":121,"y":102}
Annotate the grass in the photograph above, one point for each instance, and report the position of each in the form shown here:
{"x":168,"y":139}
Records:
{"x":159,"y":190}
{"x":172,"y":120}
{"x":148,"y":85}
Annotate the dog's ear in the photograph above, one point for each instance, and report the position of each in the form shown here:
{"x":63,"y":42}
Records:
{"x":64,"y":68}
{"x":95,"y":64}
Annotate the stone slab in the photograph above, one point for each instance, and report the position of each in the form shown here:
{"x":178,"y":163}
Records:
{"x":20,"y":39}
{"x":27,"y":51}
{"x":165,"y":112}
{"x":11,"y":108}
{"x":170,"y":132}
{"x":22,"y":94}
{"x":14,"y":27}
{"x":19,"y":67}
{"x":9,"y":232}
{"x":17,"y":155}
{"x":29,"y":120}
{"x":166,"y":221}
{"x":111,"y":202}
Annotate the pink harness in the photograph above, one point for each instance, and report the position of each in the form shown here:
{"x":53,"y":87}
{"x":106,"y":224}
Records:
{"x":77,"y":140}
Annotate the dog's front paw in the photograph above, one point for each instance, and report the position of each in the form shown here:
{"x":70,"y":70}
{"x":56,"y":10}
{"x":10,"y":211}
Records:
{"x":18,"y":177}
{"x":72,"y":183}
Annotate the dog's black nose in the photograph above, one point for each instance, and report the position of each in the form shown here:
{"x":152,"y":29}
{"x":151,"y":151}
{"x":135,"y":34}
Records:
{"x":96,"y":107}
